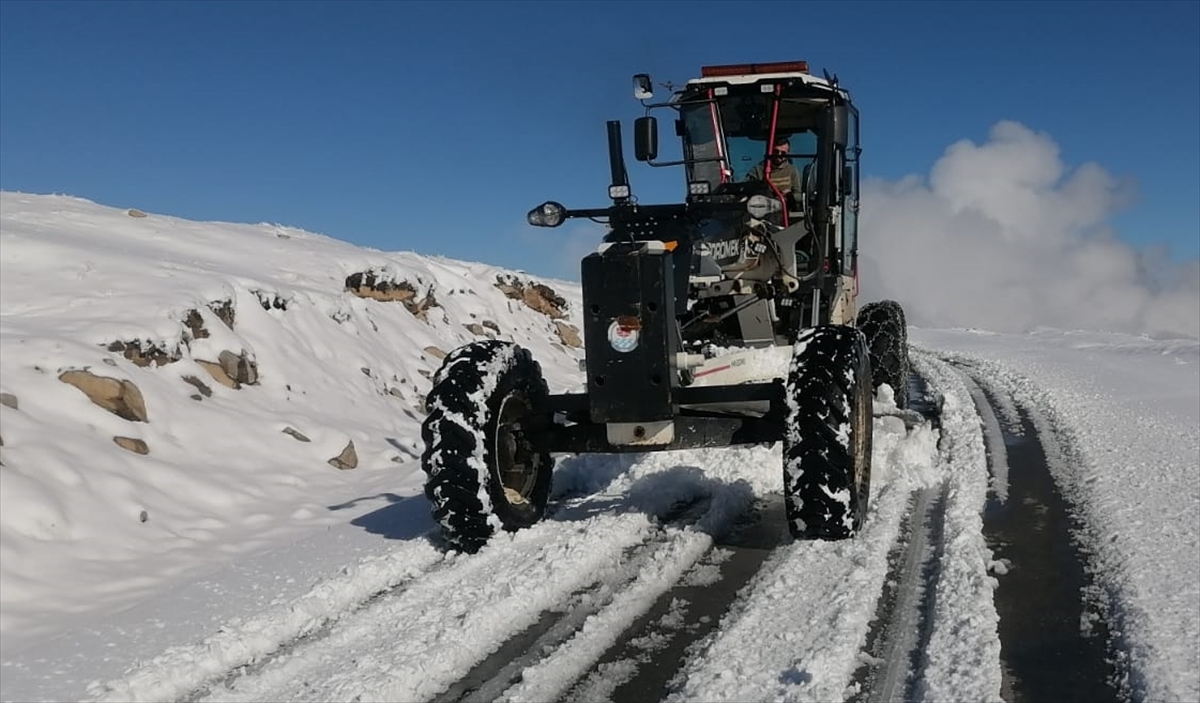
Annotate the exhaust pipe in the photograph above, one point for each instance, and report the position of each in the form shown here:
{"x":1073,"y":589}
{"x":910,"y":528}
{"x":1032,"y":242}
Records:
{"x":619,"y":190}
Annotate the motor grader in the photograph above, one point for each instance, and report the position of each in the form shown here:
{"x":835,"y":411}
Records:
{"x":730,"y":317}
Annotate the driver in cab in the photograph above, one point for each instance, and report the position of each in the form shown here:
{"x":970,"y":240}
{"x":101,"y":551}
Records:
{"x":783,"y":175}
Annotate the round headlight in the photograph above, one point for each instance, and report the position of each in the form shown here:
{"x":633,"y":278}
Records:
{"x":549,"y":214}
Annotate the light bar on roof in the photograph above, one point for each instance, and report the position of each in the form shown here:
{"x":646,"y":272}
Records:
{"x":742,"y":69}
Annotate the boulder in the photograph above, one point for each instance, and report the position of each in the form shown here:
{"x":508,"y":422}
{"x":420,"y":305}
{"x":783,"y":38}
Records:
{"x":239,"y":367}
{"x":214,"y":369}
{"x":144,"y":353}
{"x":569,"y":334}
{"x":348,"y":459}
{"x":231,"y":370}
{"x":368,"y":284}
{"x":536,"y":296}
{"x":120,"y":397}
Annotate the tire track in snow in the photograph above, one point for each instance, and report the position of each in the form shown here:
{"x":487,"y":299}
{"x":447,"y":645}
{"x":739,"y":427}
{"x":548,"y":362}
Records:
{"x":412,"y":644}
{"x":892,"y":656}
{"x":1104,"y":457}
{"x":415,"y":643}
{"x":245,"y":645}
{"x":794,"y":632}
{"x":644,"y":665}
{"x":553,"y":674}
{"x":639,"y":664}
{"x":491,"y":677}
{"x":644,"y":657}
{"x":961,"y":656}
{"x":1054,"y":639}
{"x":799,"y":630}
{"x":181,"y":670}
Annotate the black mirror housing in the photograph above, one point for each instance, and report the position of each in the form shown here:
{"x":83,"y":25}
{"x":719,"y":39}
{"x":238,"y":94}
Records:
{"x":645,"y":138}
{"x":837,"y":121}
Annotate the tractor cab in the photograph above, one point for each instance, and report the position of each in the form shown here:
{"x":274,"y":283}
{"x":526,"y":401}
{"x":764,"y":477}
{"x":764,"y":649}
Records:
{"x":765,"y":242}
{"x":728,"y":120}
{"x":784,"y":144}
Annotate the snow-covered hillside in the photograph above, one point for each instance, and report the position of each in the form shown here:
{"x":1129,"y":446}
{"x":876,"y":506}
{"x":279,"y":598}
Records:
{"x":89,"y":526}
{"x":203,"y":512}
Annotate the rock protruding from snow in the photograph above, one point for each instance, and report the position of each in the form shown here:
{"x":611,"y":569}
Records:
{"x":132,"y":444}
{"x":120,"y":397}
{"x":375,"y":286}
{"x":239,"y":367}
{"x":348,"y":459}
{"x":231,"y":370}
{"x":144,"y":353}
{"x":569,"y":334}
{"x":296,"y":433}
{"x":538,"y":296}
{"x":199,"y":385}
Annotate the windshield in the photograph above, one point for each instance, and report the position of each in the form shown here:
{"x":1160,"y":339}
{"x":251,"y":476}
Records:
{"x":745,"y":120}
{"x":746,"y":153}
{"x":703,"y":149}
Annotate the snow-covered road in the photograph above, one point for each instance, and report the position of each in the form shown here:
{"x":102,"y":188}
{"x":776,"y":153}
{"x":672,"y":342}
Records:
{"x":412,"y":623}
{"x":622,"y":536}
{"x":795,"y":632}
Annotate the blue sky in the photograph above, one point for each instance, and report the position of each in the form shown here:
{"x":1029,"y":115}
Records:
{"x":434,"y":127}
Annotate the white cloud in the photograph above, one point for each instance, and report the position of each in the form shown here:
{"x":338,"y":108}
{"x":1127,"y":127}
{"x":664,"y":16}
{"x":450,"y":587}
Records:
{"x":1003,"y":236}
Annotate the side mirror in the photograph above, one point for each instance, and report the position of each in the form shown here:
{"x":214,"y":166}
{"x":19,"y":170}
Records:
{"x":837,"y":121}
{"x":642,"y":88}
{"x":645,"y":138}
{"x":847,"y":181}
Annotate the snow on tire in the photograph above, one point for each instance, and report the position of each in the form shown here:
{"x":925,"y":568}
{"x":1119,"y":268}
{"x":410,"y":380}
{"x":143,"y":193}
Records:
{"x":482,"y":472}
{"x":827,"y":438}
{"x":887,"y":337}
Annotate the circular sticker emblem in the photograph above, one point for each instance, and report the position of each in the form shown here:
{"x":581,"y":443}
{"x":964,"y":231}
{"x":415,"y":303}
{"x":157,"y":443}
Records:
{"x":622,"y":339}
